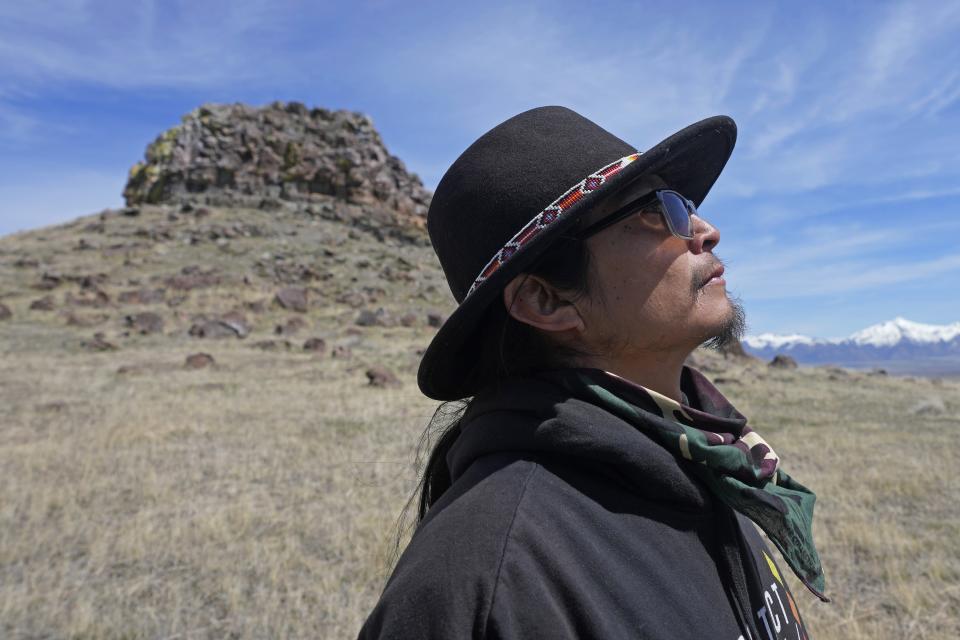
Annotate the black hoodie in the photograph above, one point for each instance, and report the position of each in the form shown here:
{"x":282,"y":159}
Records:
{"x":564,"y":521}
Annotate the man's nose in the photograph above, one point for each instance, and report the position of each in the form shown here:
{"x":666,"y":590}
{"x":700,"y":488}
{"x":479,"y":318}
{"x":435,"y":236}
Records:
{"x":705,"y":235}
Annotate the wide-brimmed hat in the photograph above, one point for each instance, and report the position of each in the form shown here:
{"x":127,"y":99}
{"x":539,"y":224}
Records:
{"x":503,"y":202}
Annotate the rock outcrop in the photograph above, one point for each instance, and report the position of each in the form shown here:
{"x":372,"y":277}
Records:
{"x":238,"y":155}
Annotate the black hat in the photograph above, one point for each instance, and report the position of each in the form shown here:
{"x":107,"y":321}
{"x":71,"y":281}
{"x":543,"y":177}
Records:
{"x":503,"y":202}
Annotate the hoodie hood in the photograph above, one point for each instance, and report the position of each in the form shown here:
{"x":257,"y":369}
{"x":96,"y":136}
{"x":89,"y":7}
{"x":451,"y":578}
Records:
{"x":537,"y":416}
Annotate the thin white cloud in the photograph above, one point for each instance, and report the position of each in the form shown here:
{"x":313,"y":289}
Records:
{"x":133,"y":45}
{"x":848,"y":278}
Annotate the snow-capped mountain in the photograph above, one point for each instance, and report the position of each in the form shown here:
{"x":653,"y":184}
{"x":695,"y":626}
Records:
{"x":898,"y":340}
{"x":897,"y":330}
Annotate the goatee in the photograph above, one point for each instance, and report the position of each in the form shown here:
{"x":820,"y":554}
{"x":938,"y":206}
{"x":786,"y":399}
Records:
{"x":732,"y":331}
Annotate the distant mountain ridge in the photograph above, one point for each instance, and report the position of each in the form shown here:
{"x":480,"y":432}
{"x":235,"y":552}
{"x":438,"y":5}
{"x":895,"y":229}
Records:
{"x":898,"y":340}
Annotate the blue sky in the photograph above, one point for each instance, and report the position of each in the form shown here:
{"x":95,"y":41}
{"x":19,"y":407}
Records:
{"x":837,"y":210}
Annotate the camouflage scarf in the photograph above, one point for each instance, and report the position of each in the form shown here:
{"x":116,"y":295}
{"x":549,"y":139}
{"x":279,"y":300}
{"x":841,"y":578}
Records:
{"x":735,"y":463}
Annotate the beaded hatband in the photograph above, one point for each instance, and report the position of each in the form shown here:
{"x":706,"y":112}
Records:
{"x":550,"y":215}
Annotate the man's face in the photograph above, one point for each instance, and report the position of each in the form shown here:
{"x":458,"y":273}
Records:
{"x":651,"y":291}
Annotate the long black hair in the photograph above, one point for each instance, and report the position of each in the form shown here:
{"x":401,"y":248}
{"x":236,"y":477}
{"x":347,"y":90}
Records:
{"x":508,"y":347}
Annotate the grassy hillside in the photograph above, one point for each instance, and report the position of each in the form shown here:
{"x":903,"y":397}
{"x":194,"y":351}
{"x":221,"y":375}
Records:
{"x":257,"y":496}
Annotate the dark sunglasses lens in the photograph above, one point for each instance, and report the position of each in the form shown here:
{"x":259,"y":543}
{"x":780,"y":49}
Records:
{"x":675,"y":209}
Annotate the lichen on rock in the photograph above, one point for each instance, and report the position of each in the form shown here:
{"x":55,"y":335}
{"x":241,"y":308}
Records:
{"x":238,"y":155}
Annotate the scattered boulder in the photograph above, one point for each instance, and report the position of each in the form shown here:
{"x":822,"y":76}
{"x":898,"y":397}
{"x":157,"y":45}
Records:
{"x":290,"y":327}
{"x":98,"y":343}
{"x":5,"y":313}
{"x":272,"y":345}
{"x":877,"y":372}
{"x":781,"y":361}
{"x":341,"y":351}
{"x":236,"y":321}
{"x":316,"y":345}
{"x":199,"y":361}
{"x":408,"y":319}
{"x":380,"y":376}
{"x":145,"y":323}
{"x":131,"y":369}
{"x":435,"y":319}
{"x":142,"y":296}
{"x":49,"y":281}
{"x":229,"y":325}
{"x":392,"y":274}
{"x":211,"y":329}
{"x":366,"y":318}
{"x":352,"y":298}
{"x":96,"y":298}
{"x":42,"y":304}
{"x":89,"y":282}
{"x":292,"y":298}
{"x":74,"y":319}
{"x":256,"y":306}
{"x":192,"y":277}
{"x":379,"y":318}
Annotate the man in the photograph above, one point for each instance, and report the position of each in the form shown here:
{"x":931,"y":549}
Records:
{"x":594,"y":486}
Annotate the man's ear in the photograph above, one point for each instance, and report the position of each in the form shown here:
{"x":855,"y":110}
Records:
{"x":532,"y":300}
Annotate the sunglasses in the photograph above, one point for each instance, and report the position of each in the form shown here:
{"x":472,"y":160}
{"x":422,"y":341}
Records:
{"x":675,"y":209}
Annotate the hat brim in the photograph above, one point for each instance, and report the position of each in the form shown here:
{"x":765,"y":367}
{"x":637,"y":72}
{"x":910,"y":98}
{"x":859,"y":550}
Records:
{"x":689,"y":161}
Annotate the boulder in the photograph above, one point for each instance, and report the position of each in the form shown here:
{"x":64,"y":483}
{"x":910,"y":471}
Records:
{"x":5,"y":313}
{"x":341,"y":351}
{"x":316,"y":345}
{"x":236,"y":321}
{"x":97,"y":343}
{"x":49,"y":281}
{"x":42,"y":304}
{"x":96,"y":298}
{"x":142,"y":296}
{"x":379,"y":318}
{"x":192,"y":277}
{"x":290,"y":327}
{"x":292,"y":298}
{"x":380,"y":376}
{"x":213,"y":329}
{"x":74,"y":319}
{"x":145,"y":323}
{"x":272,"y":345}
{"x":198,"y":361}
{"x":781,"y":361}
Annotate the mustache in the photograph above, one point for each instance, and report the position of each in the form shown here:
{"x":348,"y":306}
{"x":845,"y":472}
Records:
{"x":701,"y":275}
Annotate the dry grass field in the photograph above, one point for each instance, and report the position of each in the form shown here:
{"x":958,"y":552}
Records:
{"x":258,"y":498}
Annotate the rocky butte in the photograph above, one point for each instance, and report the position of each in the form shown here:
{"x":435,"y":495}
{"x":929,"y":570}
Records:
{"x":283,"y":155}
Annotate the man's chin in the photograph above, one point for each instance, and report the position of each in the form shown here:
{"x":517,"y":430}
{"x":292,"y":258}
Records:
{"x":731,"y":330}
